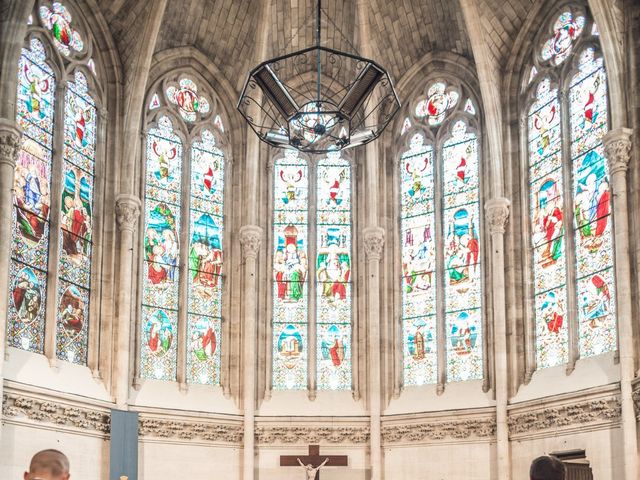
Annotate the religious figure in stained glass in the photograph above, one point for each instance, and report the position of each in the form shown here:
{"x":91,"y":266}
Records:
{"x":58,"y":20}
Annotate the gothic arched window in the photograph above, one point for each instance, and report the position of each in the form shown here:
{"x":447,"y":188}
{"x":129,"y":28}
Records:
{"x":183,"y":224}
{"x":439,"y":170}
{"x":312,"y":202}
{"x":51,"y":268}
{"x":573,"y":297}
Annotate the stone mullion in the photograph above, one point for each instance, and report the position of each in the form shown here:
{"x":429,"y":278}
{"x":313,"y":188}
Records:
{"x":127,"y":213}
{"x":250,"y":240}
{"x":569,"y":234}
{"x":93,"y":351}
{"x":269,"y":268}
{"x":617,"y":147}
{"x":10,"y":136}
{"x":355,"y":350}
{"x":440,"y":273}
{"x":183,"y":287}
{"x":55,"y":194}
{"x":497,"y":214}
{"x":396,"y":267}
{"x":312,"y":321}
{"x":225,"y":327}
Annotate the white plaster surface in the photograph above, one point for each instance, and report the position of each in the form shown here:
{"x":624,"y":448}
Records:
{"x":198,"y":398}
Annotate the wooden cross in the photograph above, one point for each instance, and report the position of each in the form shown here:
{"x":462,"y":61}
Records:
{"x":315,"y":459}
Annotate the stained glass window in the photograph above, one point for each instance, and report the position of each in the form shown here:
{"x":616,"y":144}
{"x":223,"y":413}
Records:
{"x":186,"y":97}
{"x":58,"y":20}
{"x":440,"y":100}
{"x":32,"y":200}
{"x":592,"y":207}
{"x":547,"y":226}
{"x":290,"y":272}
{"x":333,"y":272}
{"x":419,"y":274}
{"x":161,"y":248}
{"x":205,"y":261}
{"x":76,"y":222}
{"x":585,"y":169}
{"x":463,"y":276}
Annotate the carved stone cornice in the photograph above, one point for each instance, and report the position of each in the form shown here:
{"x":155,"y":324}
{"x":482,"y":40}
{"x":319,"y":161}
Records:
{"x":312,"y":434}
{"x":52,"y":411}
{"x":497,"y":214}
{"x":373,"y":242}
{"x":127,"y":212}
{"x":250,"y":239}
{"x":185,"y":430}
{"x":617,"y":149}
{"x":10,"y":136}
{"x":580,"y":413}
{"x":473,"y":428}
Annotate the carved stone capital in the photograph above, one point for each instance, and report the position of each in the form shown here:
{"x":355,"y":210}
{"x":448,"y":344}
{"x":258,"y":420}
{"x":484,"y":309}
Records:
{"x":373,"y":242}
{"x":250,"y":239}
{"x":617,"y":149}
{"x":497,"y":214}
{"x":10,"y":136}
{"x":127,"y":212}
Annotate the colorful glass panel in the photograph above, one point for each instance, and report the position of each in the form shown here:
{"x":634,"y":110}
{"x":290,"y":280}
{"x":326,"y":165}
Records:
{"x":155,"y":102}
{"x":290,"y":268}
{"x":592,"y":208}
{"x":32,"y":201}
{"x":58,"y":20}
{"x":333,"y":272}
{"x":469,"y":108}
{"x":405,"y":126}
{"x":76,"y":222}
{"x":566,"y":30}
{"x":205,"y":261}
{"x":418,"y":264}
{"x":462,"y":267}
{"x":547,"y":227}
{"x":186,"y":97}
{"x":438,"y":103}
{"x":161,"y":247}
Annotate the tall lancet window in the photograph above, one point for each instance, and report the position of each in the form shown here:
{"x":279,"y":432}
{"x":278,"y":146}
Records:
{"x":571,"y":239}
{"x":312,"y":202}
{"x":51,"y":267}
{"x":184,"y":225}
{"x":440,"y":237}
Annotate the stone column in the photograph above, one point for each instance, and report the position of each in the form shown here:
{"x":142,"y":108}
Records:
{"x":250,"y":239}
{"x":9,"y":147}
{"x":497,"y":214}
{"x":617,"y":149}
{"x":127,"y":213}
{"x":373,"y":246}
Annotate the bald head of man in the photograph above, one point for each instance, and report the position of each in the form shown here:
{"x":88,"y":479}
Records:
{"x":48,"y":465}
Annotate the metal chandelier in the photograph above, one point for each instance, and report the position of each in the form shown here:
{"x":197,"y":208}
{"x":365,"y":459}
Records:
{"x":318,"y":99}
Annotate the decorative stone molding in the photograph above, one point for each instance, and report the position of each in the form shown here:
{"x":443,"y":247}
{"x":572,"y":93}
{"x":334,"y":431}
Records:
{"x":455,"y":430}
{"x":497,"y":214}
{"x":10,"y":136}
{"x":250,"y":239}
{"x":52,"y":411}
{"x":127,"y":212}
{"x":373,"y":242}
{"x":312,"y":434}
{"x":602,"y":409}
{"x":617,"y":149}
{"x":212,"y":432}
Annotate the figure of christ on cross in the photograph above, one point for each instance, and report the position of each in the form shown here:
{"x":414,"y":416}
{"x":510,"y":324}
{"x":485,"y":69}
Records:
{"x":313,"y":462}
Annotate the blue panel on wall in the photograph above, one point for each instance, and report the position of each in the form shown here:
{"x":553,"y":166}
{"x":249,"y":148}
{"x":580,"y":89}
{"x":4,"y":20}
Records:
{"x":124,"y":445}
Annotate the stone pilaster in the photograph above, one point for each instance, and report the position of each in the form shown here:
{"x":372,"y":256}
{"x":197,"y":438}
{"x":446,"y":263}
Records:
{"x":250,"y":240}
{"x":9,"y":147}
{"x":497,"y":214}
{"x":617,"y":149}
{"x":373,"y":247}
{"x":127,"y":213}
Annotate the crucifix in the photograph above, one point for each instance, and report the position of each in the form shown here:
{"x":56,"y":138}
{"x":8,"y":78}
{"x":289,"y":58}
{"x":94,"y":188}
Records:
{"x":313,"y":462}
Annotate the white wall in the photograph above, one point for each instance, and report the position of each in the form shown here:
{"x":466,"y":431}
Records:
{"x":159,"y":460}
{"x":88,"y":454}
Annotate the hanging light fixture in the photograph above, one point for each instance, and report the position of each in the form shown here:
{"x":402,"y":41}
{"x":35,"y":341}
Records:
{"x":318,"y":99}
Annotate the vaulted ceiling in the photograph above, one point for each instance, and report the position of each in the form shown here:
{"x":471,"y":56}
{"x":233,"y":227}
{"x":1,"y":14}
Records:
{"x":401,"y":32}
